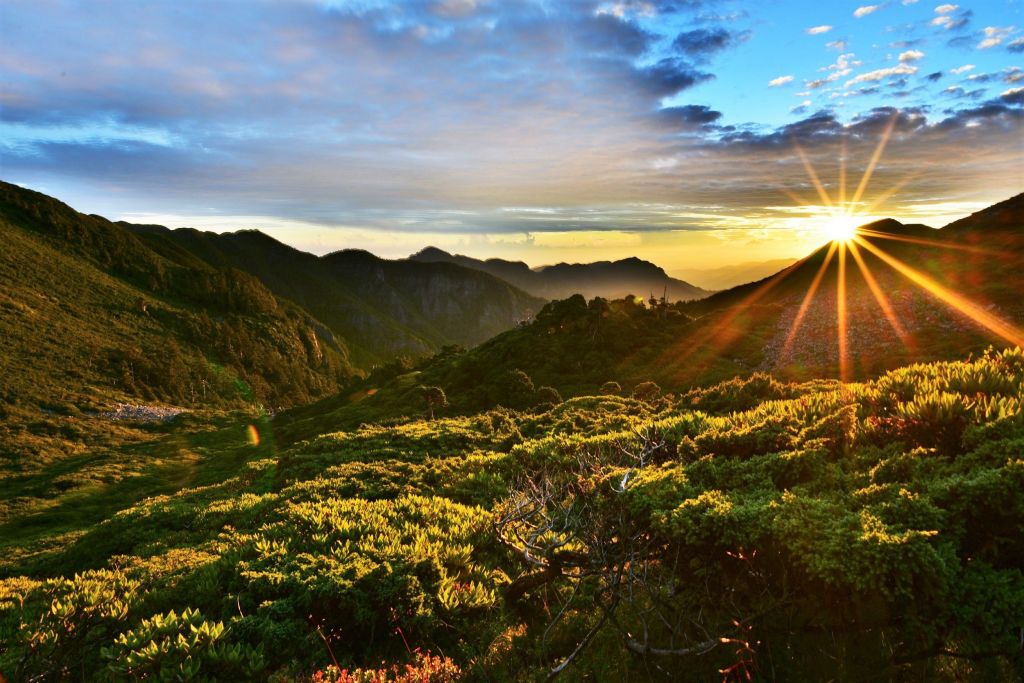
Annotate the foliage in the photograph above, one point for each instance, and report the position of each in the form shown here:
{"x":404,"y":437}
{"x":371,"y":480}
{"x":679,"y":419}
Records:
{"x":799,"y":532}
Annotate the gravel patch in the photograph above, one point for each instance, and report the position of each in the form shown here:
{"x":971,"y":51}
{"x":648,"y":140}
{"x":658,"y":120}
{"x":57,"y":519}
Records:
{"x":143,"y":413}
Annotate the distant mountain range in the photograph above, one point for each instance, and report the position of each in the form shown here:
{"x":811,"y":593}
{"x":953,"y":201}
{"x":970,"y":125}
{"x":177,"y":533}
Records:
{"x":725,"y":277}
{"x":946,"y":284}
{"x":607,"y":279}
{"x":94,"y":312}
{"x":381,"y":308}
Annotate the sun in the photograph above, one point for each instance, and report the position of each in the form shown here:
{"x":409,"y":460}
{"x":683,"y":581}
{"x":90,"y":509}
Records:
{"x":839,"y":227}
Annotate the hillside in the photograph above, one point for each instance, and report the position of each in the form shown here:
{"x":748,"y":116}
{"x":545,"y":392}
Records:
{"x":382,"y":308}
{"x":606,"y":279}
{"x":575,"y":346}
{"x":91,"y":317}
{"x":860,"y":532}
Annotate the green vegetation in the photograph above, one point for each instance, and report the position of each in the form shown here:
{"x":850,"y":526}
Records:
{"x":796,"y":531}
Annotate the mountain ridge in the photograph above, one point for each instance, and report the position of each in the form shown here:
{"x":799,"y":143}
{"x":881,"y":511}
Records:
{"x":606,"y":279}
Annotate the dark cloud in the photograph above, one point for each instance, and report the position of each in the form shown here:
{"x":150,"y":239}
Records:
{"x":689,"y":117}
{"x":608,"y":34}
{"x":702,"y":43}
{"x":1014,"y":96}
{"x":934,"y":76}
{"x":670,"y":76}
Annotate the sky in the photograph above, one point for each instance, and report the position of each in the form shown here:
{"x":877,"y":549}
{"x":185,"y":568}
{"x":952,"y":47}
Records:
{"x":680,"y":131}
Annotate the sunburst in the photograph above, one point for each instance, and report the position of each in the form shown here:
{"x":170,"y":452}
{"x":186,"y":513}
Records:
{"x":841,"y":227}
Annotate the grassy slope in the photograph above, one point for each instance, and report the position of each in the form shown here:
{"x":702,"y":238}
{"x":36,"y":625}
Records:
{"x":862,"y":513}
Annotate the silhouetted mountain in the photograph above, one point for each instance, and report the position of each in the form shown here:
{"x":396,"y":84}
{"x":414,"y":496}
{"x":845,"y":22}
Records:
{"x":382,"y":308}
{"x":607,"y":279}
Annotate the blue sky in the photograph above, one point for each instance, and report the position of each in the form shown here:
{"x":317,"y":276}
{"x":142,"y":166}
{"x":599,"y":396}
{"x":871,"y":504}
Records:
{"x":539,"y":130}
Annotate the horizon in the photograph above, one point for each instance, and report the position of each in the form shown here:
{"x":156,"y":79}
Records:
{"x":685,"y":134}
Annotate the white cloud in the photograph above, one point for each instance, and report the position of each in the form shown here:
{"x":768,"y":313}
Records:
{"x":1014,"y":74}
{"x":942,"y":21}
{"x":781,"y":80}
{"x":837,"y":45}
{"x":816,"y":30}
{"x":865,"y":10}
{"x":879,"y":74}
{"x":1011,"y":91}
{"x":946,"y":9}
{"x":1018,"y":42}
{"x":910,"y":56}
{"x":910,"y":2}
{"x":994,"y":35}
{"x":961,"y":69}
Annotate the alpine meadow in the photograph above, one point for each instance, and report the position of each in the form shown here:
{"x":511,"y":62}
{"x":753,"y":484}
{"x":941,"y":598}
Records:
{"x":423,"y":341}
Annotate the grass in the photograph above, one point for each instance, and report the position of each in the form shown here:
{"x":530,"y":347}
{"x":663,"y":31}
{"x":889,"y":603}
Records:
{"x":45,"y":510}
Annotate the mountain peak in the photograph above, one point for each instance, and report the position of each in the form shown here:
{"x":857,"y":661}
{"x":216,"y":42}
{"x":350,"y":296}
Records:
{"x":430,"y":253}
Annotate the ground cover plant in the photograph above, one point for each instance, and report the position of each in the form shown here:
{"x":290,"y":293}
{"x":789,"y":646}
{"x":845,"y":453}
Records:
{"x":753,"y":528}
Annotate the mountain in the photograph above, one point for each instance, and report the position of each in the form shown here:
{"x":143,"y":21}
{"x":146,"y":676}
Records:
{"x":382,"y":308}
{"x":950,"y":295}
{"x":732,"y":275}
{"x":606,"y":279}
{"x":91,"y":316}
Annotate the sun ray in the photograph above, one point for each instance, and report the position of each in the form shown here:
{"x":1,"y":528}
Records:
{"x":842,"y":178}
{"x":710,"y":341}
{"x":844,"y":360}
{"x":813,"y":175}
{"x":806,"y":303}
{"x":880,"y":297}
{"x":997,"y":326}
{"x":930,"y":243}
{"x":896,"y":187}
{"x":800,"y":201}
{"x":870,"y":170}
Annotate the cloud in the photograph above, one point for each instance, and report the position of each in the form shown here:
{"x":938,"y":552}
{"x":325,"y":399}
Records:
{"x":910,"y":2}
{"x":388,"y":117}
{"x":961,"y":69}
{"x":1013,"y":96}
{"x":910,"y":56}
{"x":1016,"y":45}
{"x":865,"y":10}
{"x":881,"y":74}
{"x":994,"y":35}
{"x":934,"y":76}
{"x":818,"y":30}
{"x":946,"y":9}
{"x":781,"y":80}
{"x":1013,"y":74}
{"x":702,"y":43}
{"x":670,"y":76}
{"x":837,"y":45}
{"x":690,"y":116}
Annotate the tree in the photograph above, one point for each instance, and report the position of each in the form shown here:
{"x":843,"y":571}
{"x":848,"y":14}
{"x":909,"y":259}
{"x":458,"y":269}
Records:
{"x":548,"y":396}
{"x":611,"y":388}
{"x":646,"y":391}
{"x":519,"y":389}
{"x":434,"y":397}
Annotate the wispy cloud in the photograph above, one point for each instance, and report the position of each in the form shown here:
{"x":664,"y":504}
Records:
{"x":994,"y":35}
{"x":910,"y":56}
{"x":818,"y":30}
{"x":946,"y":9}
{"x":881,"y":74}
{"x":865,"y":10}
{"x":961,"y":69}
{"x":781,"y":80}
